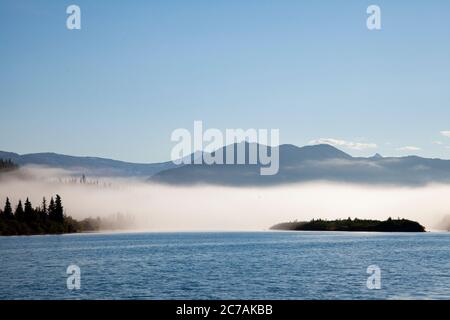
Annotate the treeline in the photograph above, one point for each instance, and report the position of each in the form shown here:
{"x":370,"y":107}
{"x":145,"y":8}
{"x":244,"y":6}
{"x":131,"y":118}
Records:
{"x":7,"y":165}
{"x":25,"y":219}
{"x":85,"y":181}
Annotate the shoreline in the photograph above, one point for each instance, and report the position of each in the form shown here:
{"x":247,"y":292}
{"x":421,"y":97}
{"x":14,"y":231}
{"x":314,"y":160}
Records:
{"x":322,"y":232}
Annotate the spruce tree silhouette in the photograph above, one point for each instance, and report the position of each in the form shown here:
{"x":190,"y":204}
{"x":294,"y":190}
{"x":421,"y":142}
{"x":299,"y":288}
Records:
{"x":51,"y":209}
{"x":43,"y":211}
{"x":28,"y":212}
{"x":59,"y":210}
{"x":8,"y":213}
{"x":19,"y":213}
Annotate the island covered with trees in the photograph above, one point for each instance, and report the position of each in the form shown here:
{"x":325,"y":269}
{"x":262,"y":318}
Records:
{"x":24,"y":219}
{"x":389,"y":225}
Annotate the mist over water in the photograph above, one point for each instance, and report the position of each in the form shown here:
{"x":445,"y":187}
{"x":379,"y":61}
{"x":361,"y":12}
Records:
{"x":155,"y":207}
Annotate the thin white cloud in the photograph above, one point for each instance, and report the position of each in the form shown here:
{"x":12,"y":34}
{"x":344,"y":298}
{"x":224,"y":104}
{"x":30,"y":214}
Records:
{"x":445,"y":133}
{"x":409,"y":148}
{"x":440,"y":143}
{"x":343,"y":143}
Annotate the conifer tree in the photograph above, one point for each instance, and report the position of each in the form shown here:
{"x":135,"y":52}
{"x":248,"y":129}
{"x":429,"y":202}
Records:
{"x":59,"y":210}
{"x":28,"y":212}
{"x":51,"y":209}
{"x":8,"y":213}
{"x":43,"y":210}
{"x":19,"y":213}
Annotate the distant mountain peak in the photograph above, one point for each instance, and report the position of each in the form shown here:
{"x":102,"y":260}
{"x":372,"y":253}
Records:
{"x":377,"y":156}
{"x":323,"y":151}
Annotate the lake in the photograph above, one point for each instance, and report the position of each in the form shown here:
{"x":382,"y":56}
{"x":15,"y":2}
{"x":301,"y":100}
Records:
{"x":241,"y":265}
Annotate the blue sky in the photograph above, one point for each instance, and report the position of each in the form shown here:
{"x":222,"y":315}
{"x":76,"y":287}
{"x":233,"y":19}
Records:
{"x":137,"y":70}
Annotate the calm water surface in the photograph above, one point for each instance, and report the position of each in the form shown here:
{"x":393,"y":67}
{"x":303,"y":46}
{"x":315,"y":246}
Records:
{"x":259,"y":265}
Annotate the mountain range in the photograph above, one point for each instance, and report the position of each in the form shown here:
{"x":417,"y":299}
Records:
{"x":296,"y":164}
{"x":88,"y":165}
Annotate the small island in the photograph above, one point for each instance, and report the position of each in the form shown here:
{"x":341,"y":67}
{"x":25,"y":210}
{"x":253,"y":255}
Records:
{"x":389,"y":225}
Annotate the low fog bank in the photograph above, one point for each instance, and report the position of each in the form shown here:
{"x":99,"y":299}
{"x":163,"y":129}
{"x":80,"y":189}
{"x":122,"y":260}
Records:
{"x":134,"y":204}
